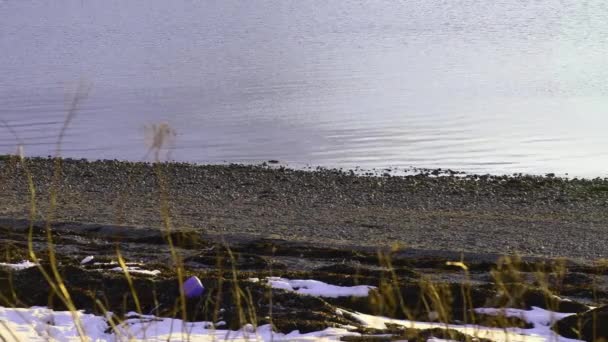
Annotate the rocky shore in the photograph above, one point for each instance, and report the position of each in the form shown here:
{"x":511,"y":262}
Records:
{"x":526,"y":215}
{"x":235,"y":226}
{"x":404,"y":286}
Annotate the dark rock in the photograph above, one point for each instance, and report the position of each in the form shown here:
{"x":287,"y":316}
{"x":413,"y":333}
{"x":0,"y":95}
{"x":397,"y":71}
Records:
{"x":523,"y":297}
{"x":548,"y":301}
{"x":399,"y":333}
{"x":591,"y":325}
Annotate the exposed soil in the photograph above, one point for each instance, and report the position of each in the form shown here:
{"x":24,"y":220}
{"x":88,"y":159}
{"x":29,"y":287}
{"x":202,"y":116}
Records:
{"x":404,"y":281}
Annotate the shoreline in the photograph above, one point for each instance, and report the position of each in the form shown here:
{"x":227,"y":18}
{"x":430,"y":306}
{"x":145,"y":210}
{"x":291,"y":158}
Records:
{"x":195,"y":239}
{"x":248,"y":262}
{"x":527,"y":215}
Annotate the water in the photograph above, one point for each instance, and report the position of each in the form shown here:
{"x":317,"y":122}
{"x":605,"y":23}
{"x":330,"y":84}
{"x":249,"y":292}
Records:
{"x":481,"y":86}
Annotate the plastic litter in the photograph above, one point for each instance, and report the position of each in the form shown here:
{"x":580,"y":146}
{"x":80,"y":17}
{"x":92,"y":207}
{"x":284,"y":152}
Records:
{"x":193,"y":287}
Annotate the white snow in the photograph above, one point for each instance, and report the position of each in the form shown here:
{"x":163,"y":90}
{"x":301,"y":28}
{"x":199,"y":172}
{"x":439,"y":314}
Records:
{"x":541,"y":319}
{"x":86,"y":260}
{"x":538,"y":317}
{"x":18,"y":266}
{"x":136,"y":270}
{"x":318,"y":288}
{"x":42,"y":324}
{"x":155,"y":329}
{"x":116,"y":263}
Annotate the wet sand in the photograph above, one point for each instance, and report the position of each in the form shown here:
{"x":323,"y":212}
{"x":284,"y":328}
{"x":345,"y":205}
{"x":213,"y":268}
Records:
{"x":528,"y":215}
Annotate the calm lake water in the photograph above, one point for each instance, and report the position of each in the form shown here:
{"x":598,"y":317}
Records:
{"x":481,"y":86}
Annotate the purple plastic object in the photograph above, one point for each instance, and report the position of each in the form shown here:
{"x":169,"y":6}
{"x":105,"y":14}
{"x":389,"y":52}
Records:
{"x":193,"y":287}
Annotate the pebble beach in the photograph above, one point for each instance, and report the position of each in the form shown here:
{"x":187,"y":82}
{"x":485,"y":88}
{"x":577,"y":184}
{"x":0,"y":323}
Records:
{"x":437,"y":211}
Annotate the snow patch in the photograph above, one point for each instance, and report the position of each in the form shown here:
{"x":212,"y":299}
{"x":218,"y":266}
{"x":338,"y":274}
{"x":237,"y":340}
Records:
{"x":167,"y":329}
{"x":42,"y":324}
{"x":87,"y":260}
{"x":318,"y":288}
{"x":136,"y":270}
{"x":116,"y":263}
{"x":18,"y":266}
{"x":540,"y":333}
{"x":541,"y":319}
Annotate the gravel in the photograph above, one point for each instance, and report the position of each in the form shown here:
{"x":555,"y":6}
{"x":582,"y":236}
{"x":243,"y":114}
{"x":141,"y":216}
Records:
{"x":528,"y":215}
